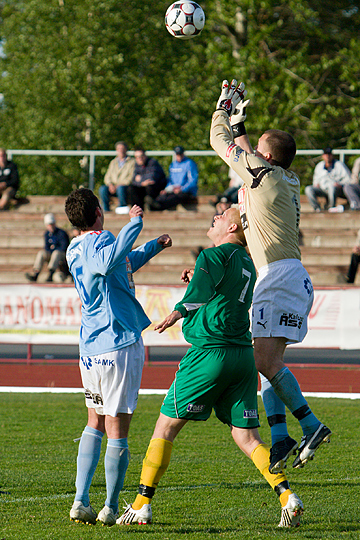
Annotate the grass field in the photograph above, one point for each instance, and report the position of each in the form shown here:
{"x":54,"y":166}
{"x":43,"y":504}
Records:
{"x":210,"y":489}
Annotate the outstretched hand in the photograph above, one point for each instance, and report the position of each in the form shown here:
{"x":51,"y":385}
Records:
{"x":169,"y":321}
{"x":135,"y":211}
{"x":165,"y":241}
{"x":231,"y":96}
{"x":239,"y":115}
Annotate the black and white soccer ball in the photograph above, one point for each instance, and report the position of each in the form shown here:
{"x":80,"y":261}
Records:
{"x":184,"y":20}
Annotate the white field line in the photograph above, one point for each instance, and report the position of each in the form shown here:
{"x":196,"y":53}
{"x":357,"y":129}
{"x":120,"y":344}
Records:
{"x":146,"y":391}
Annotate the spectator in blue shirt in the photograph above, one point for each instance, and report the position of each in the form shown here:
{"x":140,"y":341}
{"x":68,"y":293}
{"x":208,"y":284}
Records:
{"x":54,"y":252}
{"x":182,"y":183}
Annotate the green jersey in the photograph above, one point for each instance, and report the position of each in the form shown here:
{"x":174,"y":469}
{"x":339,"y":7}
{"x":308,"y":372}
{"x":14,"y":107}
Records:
{"x":216,"y":304}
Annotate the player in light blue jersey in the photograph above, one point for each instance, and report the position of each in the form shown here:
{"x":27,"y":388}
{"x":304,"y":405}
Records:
{"x":111,"y":347}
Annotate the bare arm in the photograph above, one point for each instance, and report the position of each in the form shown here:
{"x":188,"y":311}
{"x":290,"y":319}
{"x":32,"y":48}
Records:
{"x":244,"y":143}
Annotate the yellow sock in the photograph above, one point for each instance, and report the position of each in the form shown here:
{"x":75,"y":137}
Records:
{"x":284,"y":497}
{"x":155,"y":464}
{"x":261,"y":458}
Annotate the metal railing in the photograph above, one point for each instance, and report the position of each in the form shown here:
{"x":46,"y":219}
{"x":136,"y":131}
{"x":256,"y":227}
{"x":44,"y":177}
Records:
{"x":92,"y":154}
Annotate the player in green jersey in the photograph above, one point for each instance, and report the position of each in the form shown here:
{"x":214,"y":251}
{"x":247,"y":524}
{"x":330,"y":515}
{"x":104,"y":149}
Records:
{"x":218,"y":371}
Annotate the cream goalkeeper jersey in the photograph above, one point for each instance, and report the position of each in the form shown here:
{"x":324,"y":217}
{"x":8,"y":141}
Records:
{"x":269,"y":200}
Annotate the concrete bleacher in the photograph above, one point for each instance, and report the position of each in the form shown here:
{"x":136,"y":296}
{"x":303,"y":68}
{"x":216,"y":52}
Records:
{"x":327,"y":240}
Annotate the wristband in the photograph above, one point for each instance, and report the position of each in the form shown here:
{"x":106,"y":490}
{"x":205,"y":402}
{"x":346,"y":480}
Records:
{"x":239,"y":129}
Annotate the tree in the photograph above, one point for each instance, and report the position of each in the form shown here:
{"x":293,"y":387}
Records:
{"x":81,"y":75}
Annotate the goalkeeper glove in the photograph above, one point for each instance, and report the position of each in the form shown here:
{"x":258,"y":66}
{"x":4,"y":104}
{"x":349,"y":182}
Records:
{"x":238,"y":118}
{"x":230,"y":96}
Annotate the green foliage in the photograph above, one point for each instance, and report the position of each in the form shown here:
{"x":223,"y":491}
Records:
{"x":81,"y":75}
{"x":209,"y":489}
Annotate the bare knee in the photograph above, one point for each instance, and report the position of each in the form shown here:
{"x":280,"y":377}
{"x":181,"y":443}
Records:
{"x":167,"y":428}
{"x":268,"y":355}
{"x":246,"y":439}
{"x":96,"y":421}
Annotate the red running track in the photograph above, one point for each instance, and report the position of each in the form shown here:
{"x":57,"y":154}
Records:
{"x":311,"y":377}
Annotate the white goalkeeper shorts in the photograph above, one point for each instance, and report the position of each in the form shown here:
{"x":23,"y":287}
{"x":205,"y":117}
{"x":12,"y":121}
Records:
{"x":112,"y":380}
{"x":283,"y":296}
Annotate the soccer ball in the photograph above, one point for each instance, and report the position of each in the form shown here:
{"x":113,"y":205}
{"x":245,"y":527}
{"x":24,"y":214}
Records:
{"x":184,"y":20}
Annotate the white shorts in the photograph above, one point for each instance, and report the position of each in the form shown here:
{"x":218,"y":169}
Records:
{"x":283,"y":296}
{"x":112,"y":380}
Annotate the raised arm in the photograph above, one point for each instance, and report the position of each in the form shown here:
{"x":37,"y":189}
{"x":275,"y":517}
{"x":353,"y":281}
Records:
{"x":142,"y":254}
{"x":108,"y":255}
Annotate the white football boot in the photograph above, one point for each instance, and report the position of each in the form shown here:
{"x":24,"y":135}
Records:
{"x":309,"y":444}
{"x":291,"y":512}
{"x":107,"y":516}
{"x":142,"y":516}
{"x":82,"y":514}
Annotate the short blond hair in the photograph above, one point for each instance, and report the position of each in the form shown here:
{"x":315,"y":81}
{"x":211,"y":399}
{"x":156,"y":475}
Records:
{"x":234,"y":213}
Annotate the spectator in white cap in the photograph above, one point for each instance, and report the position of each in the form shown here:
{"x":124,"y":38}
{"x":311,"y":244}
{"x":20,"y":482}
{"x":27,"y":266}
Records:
{"x":54,"y":251}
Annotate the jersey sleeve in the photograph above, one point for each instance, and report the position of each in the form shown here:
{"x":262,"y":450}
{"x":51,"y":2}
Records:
{"x":251,"y":168}
{"x":142,"y":254}
{"x":202,"y":287}
{"x":108,"y":253}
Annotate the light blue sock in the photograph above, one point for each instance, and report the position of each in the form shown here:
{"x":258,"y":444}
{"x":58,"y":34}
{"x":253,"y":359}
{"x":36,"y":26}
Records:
{"x":275,"y":411}
{"x":288,"y":390}
{"x":87,"y":460}
{"x":116,"y":463}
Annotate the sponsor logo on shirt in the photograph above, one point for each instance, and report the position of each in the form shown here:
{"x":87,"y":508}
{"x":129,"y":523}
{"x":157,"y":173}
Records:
{"x":293,"y":180}
{"x":195,"y":408}
{"x":291,"y":319}
{"x":238,"y":153}
{"x":250,"y":413}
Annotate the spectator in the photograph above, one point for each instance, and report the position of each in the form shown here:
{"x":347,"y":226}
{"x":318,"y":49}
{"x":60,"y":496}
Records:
{"x":117,"y":179}
{"x":9,"y":180}
{"x":54,"y":252}
{"x":63,"y":265}
{"x":148,"y":180}
{"x":182,"y":183}
{"x":329,"y":181}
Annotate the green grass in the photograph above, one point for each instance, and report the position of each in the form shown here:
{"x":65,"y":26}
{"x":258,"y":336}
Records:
{"x":211,"y":490}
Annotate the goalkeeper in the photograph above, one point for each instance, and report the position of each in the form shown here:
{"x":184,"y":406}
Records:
{"x":218,"y":371}
{"x":269,"y":204}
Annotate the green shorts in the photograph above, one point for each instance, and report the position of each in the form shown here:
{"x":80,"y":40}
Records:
{"x":223,"y":379}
